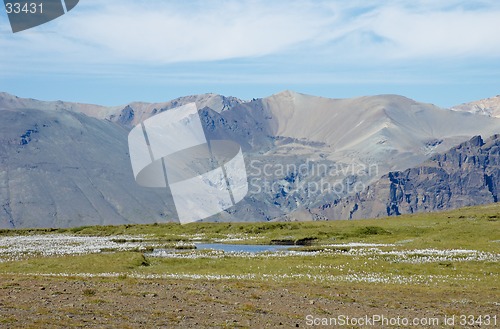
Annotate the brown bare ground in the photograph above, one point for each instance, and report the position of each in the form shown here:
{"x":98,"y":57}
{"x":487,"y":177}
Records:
{"x":54,"y":302}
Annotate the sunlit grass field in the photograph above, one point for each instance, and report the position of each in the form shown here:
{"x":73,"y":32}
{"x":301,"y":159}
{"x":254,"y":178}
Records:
{"x":472,"y":227}
{"x":456,"y":246}
{"x":441,"y":264}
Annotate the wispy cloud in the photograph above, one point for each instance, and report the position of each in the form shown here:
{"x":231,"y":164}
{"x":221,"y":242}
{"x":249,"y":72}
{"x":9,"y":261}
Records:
{"x":428,"y":33}
{"x":252,"y":42}
{"x":172,"y":31}
{"x":159,"y":32}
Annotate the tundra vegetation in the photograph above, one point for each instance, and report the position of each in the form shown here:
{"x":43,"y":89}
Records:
{"x":417,"y":265}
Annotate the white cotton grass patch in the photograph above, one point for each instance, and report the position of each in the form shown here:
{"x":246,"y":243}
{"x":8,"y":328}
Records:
{"x":404,"y":241}
{"x":416,"y":256}
{"x":21,"y":247}
{"x":358,"y":245}
{"x":194,"y":237}
{"x":217,"y":254}
{"x":420,"y":256}
{"x":361,"y":277}
{"x":236,"y":238}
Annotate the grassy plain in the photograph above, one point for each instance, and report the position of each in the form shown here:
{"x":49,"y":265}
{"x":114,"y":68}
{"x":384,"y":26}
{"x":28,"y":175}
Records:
{"x":420,"y":265}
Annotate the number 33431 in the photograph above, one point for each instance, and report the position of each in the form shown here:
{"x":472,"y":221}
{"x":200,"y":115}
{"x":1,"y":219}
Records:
{"x":25,"y":8}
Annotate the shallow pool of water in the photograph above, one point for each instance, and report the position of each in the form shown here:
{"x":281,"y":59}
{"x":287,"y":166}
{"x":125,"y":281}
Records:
{"x":240,"y":247}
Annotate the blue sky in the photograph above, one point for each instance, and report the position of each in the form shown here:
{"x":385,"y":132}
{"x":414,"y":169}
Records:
{"x":116,"y":51}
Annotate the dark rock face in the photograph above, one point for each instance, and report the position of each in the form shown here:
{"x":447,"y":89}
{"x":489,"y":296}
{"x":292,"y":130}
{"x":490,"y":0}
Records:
{"x":126,"y":116}
{"x":466,"y":175}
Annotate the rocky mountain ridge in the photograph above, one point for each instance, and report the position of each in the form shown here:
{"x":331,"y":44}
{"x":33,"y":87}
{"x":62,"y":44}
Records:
{"x":466,"y":175}
{"x":489,"y":107}
{"x":67,"y":164}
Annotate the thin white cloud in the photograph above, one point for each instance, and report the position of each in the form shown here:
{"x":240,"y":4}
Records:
{"x":165,"y":32}
{"x":162,"y":32}
{"x":375,"y":31}
{"x":440,"y":33}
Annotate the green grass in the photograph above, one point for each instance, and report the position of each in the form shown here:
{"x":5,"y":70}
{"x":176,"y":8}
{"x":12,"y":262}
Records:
{"x":438,"y":286}
{"x":473,"y":227}
{"x":119,"y":262}
{"x":446,"y":287}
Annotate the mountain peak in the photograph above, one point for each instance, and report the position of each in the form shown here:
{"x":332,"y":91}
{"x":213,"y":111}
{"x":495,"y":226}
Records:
{"x":488,"y":107}
{"x":386,"y":133}
{"x":286,"y":92}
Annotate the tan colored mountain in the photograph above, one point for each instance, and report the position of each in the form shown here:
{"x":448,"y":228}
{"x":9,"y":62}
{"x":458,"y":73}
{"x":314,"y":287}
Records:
{"x":66,"y":164}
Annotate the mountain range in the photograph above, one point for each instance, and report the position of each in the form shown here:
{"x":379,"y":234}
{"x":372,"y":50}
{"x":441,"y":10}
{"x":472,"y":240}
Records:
{"x":466,"y":175}
{"x":66,"y":164}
